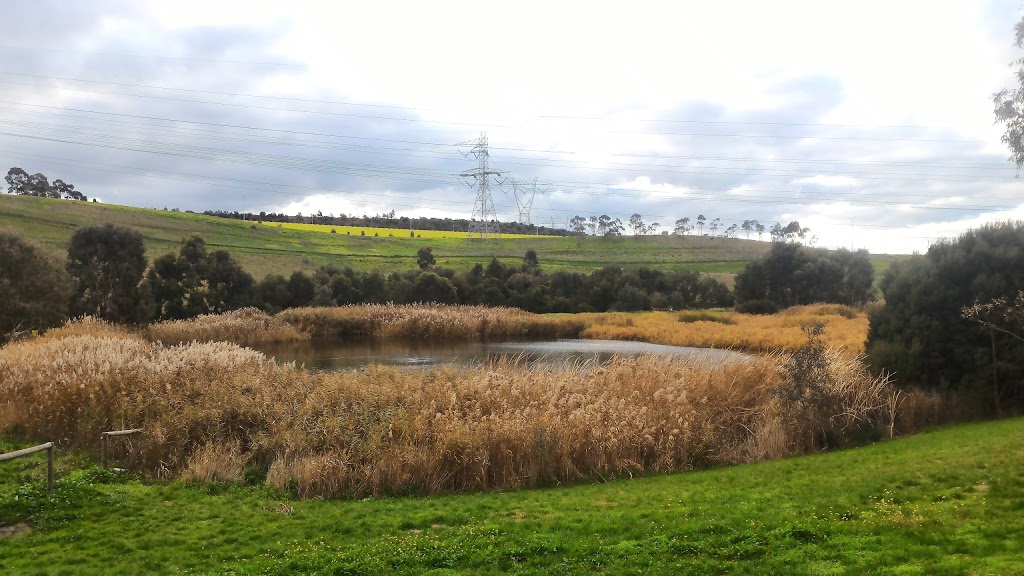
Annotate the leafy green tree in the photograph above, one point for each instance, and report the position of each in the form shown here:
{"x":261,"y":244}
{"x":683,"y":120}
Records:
{"x":198,"y":282}
{"x":921,"y":335}
{"x":108,"y":263}
{"x":747,"y":226}
{"x":682,"y":226}
{"x":496,"y":269}
{"x":631,"y":299}
{"x":578,"y":225}
{"x":429,"y":287}
{"x":38,"y":185}
{"x":17,"y":181}
{"x":62,"y":189}
{"x":374,"y":288}
{"x":531,"y":265}
{"x":272,"y":293}
{"x":791,"y":274}
{"x":322,"y":297}
{"x":636,"y":223}
{"x":425,"y":258}
{"x":1009,"y":106}
{"x":700,"y":223}
{"x":34,"y":287}
{"x":301,"y":289}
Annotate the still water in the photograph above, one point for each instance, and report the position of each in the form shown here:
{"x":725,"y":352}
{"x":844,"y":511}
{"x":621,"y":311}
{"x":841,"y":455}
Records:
{"x":337,"y":355}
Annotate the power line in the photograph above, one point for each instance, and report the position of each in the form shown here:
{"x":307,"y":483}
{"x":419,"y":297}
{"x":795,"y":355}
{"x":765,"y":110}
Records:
{"x":276,"y":188}
{"x":490,"y":125}
{"x":516,"y":149}
{"x":37,"y":48}
{"x":390,"y":173}
{"x":762,"y":172}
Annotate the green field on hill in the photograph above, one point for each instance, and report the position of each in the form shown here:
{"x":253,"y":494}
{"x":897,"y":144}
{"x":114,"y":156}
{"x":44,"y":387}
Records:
{"x":268,"y":248}
{"x":943,"y":502}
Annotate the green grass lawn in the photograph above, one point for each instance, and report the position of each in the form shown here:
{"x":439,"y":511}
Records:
{"x":268,"y":248}
{"x":944,"y":502}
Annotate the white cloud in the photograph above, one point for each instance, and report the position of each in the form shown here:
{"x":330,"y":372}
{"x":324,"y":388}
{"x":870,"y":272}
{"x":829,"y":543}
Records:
{"x":566,"y":91}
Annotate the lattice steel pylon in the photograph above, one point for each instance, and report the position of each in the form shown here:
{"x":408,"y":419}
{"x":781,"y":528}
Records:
{"x":484,"y":221}
{"x":523,"y":195}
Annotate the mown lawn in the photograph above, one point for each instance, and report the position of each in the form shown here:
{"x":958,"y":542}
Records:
{"x":945,"y":502}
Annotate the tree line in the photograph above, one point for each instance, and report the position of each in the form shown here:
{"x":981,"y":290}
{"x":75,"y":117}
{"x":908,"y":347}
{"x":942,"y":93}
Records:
{"x":106,"y":275}
{"x":605,"y":225}
{"x":20,"y":182}
{"x":387,"y":220}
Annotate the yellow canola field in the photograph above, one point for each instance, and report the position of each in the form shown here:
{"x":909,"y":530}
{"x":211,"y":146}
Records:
{"x":387,"y":232}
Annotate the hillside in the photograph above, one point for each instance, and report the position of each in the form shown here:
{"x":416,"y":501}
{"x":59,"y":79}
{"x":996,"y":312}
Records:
{"x":269,"y":248}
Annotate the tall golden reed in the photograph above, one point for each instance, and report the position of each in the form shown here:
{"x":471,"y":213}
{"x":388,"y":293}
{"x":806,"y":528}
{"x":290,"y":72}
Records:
{"x":211,"y":410}
{"x":245,"y":327}
{"x":845,"y":329}
{"x":374,"y":321}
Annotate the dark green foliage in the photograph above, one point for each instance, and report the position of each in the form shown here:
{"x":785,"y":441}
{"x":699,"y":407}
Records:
{"x":198,"y":282}
{"x":703,"y":316}
{"x":425,"y":258}
{"x":920,"y":333}
{"x":272,"y":293}
{"x":809,"y":389}
{"x":301,"y":289}
{"x":792,"y":275}
{"x":757,"y":307}
{"x":530,"y":263}
{"x":108,"y":263}
{"x":631,"y":299}
{"x":429,"y":287}
{"x":34,"y":287}
{"x":20,"y":182}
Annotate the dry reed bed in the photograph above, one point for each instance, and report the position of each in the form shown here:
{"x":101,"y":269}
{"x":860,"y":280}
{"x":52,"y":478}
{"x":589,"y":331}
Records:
{"x":748,"y":332}
{"x":244,"y":327}
{"x":428,"y":322}
{"x":211,"y":410}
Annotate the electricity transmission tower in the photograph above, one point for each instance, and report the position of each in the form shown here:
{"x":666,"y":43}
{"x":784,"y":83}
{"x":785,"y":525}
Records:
{"x":524,"y":195}
{"x":484,"y":221}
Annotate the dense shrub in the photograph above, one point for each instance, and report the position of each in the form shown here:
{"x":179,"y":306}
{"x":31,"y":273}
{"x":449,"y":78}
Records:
{"x":792,"y":275}
{"x":760,"y":306}
{"x":34,"y":287}
{"x":920,"y":333}
{"x":107,"y":263}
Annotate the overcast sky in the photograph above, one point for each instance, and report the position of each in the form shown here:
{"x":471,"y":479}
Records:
{"x":870,"y":123}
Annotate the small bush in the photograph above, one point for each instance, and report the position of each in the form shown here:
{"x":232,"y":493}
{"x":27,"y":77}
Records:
{"x":757,"y":307}
{"x":333,"y":231}
{"x":822,"y":310}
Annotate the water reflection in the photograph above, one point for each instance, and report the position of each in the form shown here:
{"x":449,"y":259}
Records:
{"x":338,"y":355}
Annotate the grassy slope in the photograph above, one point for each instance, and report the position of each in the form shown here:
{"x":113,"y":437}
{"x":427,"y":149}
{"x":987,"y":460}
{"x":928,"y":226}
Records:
{"x":268,"y":248}
{"x":946,"y":502}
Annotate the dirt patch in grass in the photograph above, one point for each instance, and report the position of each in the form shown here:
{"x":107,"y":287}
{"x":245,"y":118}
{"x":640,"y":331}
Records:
{"x":14,"y":530}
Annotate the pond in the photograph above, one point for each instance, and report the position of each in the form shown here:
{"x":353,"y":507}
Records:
{"x":338,"y":355}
